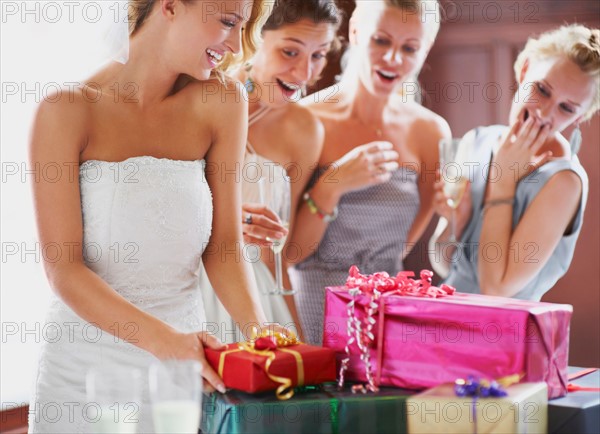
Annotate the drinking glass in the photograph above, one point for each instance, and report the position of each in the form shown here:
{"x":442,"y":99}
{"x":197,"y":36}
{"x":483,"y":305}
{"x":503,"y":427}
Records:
{"x":114,"y":399}
{"x":277,"y":196}
{"x":452,"y":157}
{"x":176,"y":395}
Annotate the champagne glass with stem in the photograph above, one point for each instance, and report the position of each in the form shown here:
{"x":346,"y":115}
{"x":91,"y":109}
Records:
{"x":452,"y":156}
{"x":277,"y":196}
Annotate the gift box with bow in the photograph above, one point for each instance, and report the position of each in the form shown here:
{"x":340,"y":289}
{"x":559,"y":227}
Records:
{"x":404,"y":332}
{"x":520,"y":408}
{"x":268,"y":363}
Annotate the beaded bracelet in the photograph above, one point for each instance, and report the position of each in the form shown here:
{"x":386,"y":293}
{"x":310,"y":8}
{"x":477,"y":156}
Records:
{"x":491,"y":203}
{"x":314,"y":209}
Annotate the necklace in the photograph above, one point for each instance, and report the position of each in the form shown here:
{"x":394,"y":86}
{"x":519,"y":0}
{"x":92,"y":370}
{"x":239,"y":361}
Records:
{"x":377,"y":130}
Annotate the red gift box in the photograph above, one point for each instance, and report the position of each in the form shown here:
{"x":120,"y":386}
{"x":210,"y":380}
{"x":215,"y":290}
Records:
{"x":423,"y":342}
{"x":244,"y":369}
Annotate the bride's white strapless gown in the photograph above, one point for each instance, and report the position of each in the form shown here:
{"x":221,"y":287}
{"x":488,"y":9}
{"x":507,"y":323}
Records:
{"x":146,"y":222}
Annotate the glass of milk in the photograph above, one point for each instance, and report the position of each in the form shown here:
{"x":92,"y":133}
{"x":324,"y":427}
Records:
{"x":114,"y":399}
{"x":176,"y":394}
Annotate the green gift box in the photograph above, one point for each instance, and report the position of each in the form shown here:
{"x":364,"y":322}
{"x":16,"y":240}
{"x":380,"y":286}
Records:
{"x":320,"y":409}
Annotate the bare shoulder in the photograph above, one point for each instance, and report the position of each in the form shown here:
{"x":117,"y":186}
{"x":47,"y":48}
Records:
{"x":325,"y":103}
{"x":426,"y":122}
{"x":217,"y":97}
{"x":566,"y":181}
{"x":62,"y":120}
{"x":424,"y":129}
{"x":69,"y":102}
{"x":300,"y":120}
{"x":304,"y":131}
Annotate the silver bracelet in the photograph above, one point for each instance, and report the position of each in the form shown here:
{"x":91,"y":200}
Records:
{"x":492,"y":203}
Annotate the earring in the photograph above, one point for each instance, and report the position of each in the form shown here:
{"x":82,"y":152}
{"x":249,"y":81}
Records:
{"x":249,"y":85}
{"x":575,"y":139}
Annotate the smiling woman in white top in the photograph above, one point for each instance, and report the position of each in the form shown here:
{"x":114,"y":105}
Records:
{"x":284,"y":139}
{"x":130,"y":312}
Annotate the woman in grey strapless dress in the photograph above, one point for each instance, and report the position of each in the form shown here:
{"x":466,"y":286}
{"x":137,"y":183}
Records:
{"x":370,"y":231}
{"x":373,"y":199}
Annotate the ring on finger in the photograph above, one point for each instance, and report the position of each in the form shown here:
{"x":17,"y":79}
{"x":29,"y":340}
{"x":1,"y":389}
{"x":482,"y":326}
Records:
{"x":248,"y":219}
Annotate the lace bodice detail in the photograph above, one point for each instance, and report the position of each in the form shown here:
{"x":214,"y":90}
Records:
{"x":146,"y":223}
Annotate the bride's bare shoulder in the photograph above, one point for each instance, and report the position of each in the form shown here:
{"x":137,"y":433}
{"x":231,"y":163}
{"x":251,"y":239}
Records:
{"x":62,"y":120}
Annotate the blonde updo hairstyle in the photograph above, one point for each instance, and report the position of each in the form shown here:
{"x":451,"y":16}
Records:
{"x":140,"y":10}
{"x":577,"y":43}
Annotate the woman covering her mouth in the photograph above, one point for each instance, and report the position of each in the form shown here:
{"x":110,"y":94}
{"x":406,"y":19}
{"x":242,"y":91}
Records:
{"x":284,"y":139}
{"x":372,"y":200}
{"x":518,"y":224}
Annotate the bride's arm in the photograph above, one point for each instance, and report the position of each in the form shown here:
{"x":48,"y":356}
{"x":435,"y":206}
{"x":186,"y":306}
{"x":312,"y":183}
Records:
{"x":229,"y":274}
{"x":58,"y":136}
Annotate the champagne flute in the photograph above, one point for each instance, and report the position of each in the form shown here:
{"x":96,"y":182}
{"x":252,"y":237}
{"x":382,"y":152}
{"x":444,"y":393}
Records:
{"x":176,"y":394}
{"x":277,"y":196}
{"x":114,"y":399}
{"x":452,"y":155}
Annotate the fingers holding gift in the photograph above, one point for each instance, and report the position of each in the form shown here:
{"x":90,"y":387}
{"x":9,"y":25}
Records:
{"x":212,"y":379}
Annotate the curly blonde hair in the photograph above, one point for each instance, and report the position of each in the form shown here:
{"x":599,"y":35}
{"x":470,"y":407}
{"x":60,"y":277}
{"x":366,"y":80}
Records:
{"x":577,"y":43}
{"x":140,"y":10}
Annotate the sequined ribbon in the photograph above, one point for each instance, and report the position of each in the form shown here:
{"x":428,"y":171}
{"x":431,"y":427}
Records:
{"x":266,"y":345}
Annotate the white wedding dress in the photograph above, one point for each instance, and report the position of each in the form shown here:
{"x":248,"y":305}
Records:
{"x":146,"y":222}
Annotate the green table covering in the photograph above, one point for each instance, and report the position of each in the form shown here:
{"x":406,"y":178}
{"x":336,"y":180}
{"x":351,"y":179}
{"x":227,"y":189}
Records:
{"x":322,"y":409}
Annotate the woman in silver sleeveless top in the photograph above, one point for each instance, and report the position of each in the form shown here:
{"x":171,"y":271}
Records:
{"x":373,"y":198}
{"x":519,"y":221}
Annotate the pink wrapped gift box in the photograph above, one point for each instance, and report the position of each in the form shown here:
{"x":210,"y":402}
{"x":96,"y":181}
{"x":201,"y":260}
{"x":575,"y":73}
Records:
{"x":426,"y":342}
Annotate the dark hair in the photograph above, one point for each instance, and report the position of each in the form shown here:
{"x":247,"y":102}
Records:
{"x":287,"y":12}
{"x":291,"y":11}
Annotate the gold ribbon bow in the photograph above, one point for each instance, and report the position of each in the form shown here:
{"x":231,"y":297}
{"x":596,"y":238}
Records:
{"x":281,"y":341}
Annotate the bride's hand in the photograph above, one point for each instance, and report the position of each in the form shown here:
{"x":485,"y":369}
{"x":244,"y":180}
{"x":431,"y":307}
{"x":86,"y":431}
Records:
{"x":260,"y":222}
{"x":190,"y":346}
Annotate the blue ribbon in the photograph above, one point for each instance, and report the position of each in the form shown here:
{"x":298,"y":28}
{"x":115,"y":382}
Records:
{"x":477,"y":389}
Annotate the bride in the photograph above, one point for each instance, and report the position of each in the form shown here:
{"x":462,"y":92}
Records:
{"x":151,"y":196}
